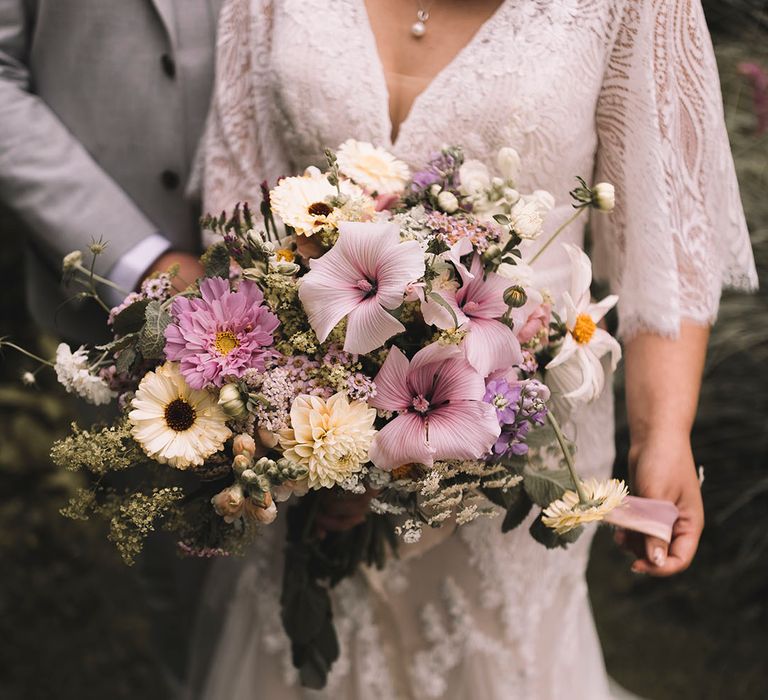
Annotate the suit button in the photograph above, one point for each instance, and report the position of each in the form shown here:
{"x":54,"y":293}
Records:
{"x":168,"y":64}
{"x":170,"y":179}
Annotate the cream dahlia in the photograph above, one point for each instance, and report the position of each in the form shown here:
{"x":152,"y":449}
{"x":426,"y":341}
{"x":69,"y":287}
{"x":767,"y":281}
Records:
{"x":567,"y":513}
{"x":175,"y":424}
{"x":330,"y":437}
{"x":373,"y":168}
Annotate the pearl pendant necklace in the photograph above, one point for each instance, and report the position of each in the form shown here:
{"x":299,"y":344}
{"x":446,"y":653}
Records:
{"x":419,"y":27}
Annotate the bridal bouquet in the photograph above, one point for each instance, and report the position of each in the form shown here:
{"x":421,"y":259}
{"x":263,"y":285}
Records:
{"x":371,"y":330}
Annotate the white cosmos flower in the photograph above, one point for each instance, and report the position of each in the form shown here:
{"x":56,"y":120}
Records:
{"x":371,"y":167}
{"x":576,"y":370}
{"x":175,"y":424}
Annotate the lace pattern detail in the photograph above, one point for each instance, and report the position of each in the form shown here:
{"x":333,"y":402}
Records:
{"x":663,"y":142}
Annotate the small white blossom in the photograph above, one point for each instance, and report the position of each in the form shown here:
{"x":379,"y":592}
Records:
{"x":73,"y":374}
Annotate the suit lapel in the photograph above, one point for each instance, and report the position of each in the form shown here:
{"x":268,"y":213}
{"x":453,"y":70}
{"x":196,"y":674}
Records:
{"x":164,"y":9}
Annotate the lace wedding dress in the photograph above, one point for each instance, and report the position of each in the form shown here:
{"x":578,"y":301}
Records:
{"x":618,"y":90}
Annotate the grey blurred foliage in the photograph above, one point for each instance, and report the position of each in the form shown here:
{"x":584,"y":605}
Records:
{"x":75,"y":623}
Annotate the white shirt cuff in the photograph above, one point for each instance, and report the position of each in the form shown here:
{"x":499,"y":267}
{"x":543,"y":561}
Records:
{"x":127,"y":272}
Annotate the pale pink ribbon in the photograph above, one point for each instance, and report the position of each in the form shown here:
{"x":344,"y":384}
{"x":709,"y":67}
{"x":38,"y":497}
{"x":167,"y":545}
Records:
{"x":645,"y":515}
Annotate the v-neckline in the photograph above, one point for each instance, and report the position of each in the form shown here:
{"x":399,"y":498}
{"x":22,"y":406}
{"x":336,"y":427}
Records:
{"x":374,"y":56}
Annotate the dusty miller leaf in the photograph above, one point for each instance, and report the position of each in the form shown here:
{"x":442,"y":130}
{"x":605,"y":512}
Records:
{"x":152,"y":336}
{"x":546,"y":485}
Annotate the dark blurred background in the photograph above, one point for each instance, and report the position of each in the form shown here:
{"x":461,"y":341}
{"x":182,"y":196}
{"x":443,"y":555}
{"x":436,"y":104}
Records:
{"x":76,"y":623}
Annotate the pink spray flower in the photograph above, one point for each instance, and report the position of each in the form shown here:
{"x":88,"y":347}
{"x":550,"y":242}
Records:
{"x":363,"y":276}
{"x":221,"y":335}
{"x":439,"y":397}
{"x":478,"y":305}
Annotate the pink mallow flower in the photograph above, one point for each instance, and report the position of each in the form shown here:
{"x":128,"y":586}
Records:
{"x":221,"y":335}
{"x":442,"y":415}
{"x":363,"y":277}
{"x":478,"y":305}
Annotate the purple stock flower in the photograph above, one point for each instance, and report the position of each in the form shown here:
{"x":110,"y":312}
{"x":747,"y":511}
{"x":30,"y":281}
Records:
{"x":519,"y":405}
{"x":220,"y":335}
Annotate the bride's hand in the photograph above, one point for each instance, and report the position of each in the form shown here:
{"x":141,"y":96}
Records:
{"x":663,"y":468}
{"x":340,"y":511}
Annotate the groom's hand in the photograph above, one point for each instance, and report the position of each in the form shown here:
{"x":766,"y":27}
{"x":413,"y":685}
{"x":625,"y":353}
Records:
{"x":189,"y":268}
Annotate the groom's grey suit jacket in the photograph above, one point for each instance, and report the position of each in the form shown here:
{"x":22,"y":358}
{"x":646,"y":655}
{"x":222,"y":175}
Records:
{"x":102,"y":103}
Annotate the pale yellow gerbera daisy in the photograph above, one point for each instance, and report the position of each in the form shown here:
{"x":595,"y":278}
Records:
{"x":371,"y":167}
{"x":175,"y":424}
{"x":301,"y":202}
{"x":566,"y":513}
{"x":331,"y":438}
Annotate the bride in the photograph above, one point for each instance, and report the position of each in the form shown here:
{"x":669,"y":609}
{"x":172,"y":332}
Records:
{"x":623,"y":90}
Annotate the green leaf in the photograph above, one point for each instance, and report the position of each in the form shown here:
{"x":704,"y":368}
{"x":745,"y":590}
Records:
{"x":517,"y":510}
{"x":546,"y":485}
{"x":434,"y":296}
{"x":130,"y":319}
{"x":541,"y":436}
{"x":125,"y":360}
{"x":119,"y":344}
{"x":501,"y":219}
{"x":215,"y":261}
{"x":549,"y":538}
{"x":152,"y":336}
{"x":437,"y":246}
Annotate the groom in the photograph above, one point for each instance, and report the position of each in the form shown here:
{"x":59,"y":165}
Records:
{"x":102,"y":104}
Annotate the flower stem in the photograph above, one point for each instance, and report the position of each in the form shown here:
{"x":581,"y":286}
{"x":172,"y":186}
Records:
{"x":31,"y":355}
{"x":559,"y":230}
{"x":568,"y":458}
{"x":100,"y":279}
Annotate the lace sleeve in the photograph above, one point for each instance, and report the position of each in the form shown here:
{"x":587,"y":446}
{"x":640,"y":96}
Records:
{"x":678,"y":234}
{"x":239,"y":149}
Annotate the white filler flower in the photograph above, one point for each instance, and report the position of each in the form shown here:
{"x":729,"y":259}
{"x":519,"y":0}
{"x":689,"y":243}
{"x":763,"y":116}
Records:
{"x":576,"y":369}
{"x":175,"y":424}
{"x":73,"y":374}
{"x":371,"y":167}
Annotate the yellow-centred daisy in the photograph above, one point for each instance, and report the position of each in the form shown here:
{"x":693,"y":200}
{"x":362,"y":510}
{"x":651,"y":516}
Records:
{"x":567,"y":513}
{"x":175,"y":424}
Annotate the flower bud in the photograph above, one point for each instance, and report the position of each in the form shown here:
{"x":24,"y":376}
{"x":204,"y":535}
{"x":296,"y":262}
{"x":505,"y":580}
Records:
{"x":435,"y":190}
{"x":249,"y":476}
{"x":263,"y":515}
{"x":229,"y":503}
{"x":515,"y":296}
{"x":508,"y":162}
{"x":28,"y":379}
{"x":72,"y":260}
{"x":231,"y":402}
{"x":240,"y":464}
{"x":244,"y":444}
{"x":447,"y":202}
{"x":604,"y":196}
